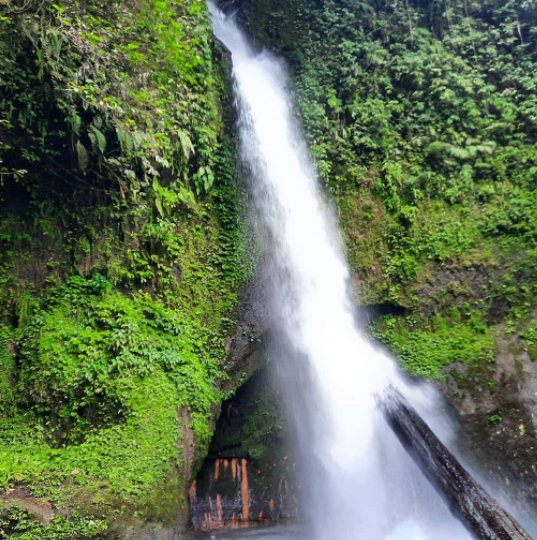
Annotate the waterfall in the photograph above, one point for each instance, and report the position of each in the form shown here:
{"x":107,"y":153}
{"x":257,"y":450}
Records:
{"x":361,"y":485}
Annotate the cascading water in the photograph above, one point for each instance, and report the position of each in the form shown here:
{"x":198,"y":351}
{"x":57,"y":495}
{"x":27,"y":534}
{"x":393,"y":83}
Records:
{"x":365,"y":487}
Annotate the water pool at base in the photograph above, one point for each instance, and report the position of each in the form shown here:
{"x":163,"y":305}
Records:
{"x":407,"y":531}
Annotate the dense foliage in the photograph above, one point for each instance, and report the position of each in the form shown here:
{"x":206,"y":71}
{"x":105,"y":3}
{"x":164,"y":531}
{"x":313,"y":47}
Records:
{"x":121,"y":238}
{"x":422,"y":119}
{"x":121,"y":252}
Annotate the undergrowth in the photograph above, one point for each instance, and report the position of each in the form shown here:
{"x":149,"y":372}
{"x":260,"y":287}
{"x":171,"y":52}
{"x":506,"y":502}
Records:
{"x":424,"y":348}
{"x":122,"y":250}
{"x":421,"y":117}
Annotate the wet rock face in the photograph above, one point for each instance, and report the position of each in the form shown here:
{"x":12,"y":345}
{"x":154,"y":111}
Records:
{"x":245,"y":347}
{"x":249,"y":477}
{"x":235,"y":492}
{"x":498,"y":418}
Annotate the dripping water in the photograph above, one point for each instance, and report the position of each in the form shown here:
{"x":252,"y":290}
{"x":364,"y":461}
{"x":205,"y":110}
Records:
{"x":358,"y":481}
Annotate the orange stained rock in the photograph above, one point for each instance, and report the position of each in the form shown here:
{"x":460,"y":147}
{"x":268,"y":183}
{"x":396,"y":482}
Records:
{"x":226,"y":464}
{"x":219,"y":507}
{"x":192,"y":491}
{"x":206,"y":525}
{"x":271,"y":505}
{"x":234,"y":521}
{"x":234,"y":468}
{"x":261,"y":514}
{"x":244,"y":488}
{"x":216,"y":469}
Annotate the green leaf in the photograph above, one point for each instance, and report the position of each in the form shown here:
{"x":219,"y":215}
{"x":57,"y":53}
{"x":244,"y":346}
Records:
{"x":76,"y":123}
{"x":125,"y":140}
{"x":158,"y":204}
{"x":82,"y":155}
{"x":186,"y":144}
{"x":98,"y":140}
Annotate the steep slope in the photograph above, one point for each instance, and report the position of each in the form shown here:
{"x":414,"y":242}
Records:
{"x":121,"y":255}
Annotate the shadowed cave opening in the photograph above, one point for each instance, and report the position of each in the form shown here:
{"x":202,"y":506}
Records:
{"x":249,"y":476}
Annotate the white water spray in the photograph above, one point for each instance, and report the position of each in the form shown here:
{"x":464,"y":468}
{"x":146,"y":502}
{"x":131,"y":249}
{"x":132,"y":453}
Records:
{"x":369,"y":489}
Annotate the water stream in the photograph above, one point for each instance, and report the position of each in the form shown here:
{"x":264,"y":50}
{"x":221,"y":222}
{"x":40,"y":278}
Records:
{"x":359,"y":483}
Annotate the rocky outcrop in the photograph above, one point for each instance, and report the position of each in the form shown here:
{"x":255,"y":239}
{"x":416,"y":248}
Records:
{"x":497,"y":409}
{"x":249,"y":476}
{"x":245,"y":347}
{"x":236,"y":493}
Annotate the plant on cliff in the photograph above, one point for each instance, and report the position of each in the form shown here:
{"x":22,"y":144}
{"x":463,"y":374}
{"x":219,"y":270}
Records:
{"x":121,"y":250}
{"x":18,"y":523}
{"x":426,"y":347}
{"x":422,"y":120}
{"x":133,"y":87}
{"x":85,"y":335}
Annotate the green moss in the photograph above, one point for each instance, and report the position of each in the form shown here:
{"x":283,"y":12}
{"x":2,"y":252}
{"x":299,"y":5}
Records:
{"x":253,"y":422}
{"x":20,"y":524}
{"x":426,"y":347}
{"x":100,"y":380}
{"x":85,"y":335}
{"x":529,"y":335}
{"x":125,"y":458}
{"x":121,"y":253}
{"x":7,"y":368}
{"x":115,"y":474}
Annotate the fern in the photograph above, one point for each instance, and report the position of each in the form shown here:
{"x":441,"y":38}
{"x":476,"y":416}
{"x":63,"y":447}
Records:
{"x":82,"y":155}
{"x":97,"y":138}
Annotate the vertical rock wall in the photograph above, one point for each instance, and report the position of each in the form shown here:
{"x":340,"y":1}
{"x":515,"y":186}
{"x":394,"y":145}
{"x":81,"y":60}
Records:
{"x":248,"y":477}
{"x":235,"y":492}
